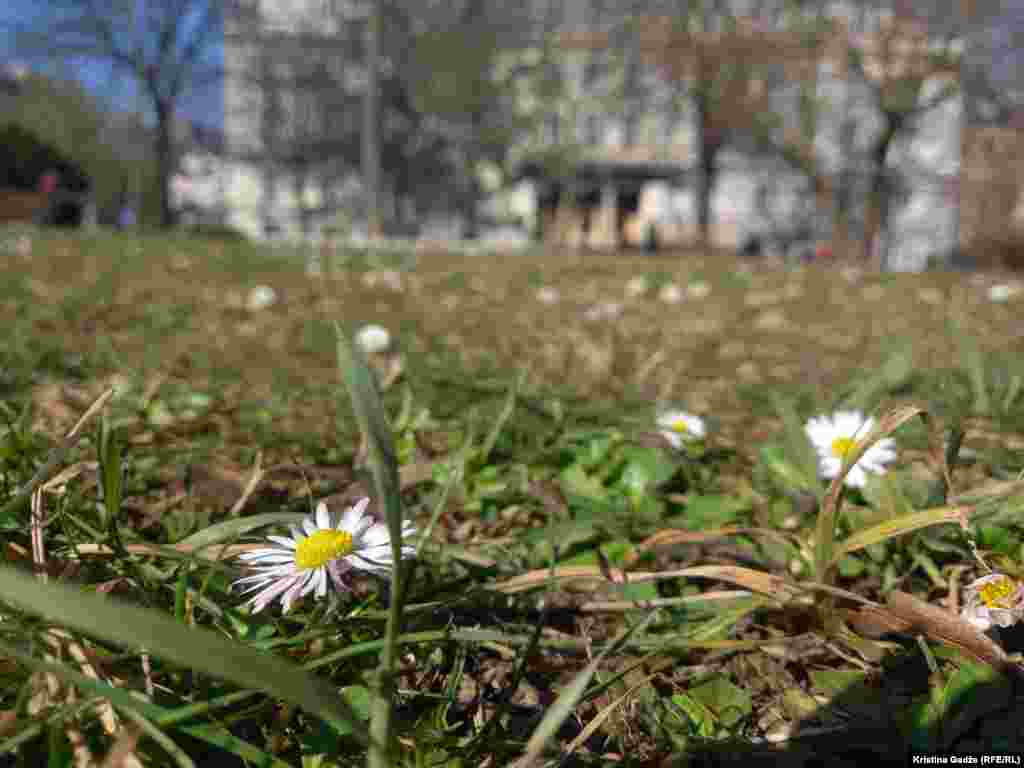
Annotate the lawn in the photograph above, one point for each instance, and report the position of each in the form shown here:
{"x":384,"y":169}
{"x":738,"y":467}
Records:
{"x":588,"y":588}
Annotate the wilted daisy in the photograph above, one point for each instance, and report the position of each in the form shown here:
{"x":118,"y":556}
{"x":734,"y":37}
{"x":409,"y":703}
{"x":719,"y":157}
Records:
{"x":835,"y":436}
{"x":679,"y":426}
{"x":319,"y":555}
{"x":994,"y":599}
{"x":373,"y":338}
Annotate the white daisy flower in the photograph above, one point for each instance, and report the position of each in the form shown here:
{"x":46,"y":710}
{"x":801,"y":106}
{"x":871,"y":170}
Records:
{"x":1003,"y":292}
{"x":834,"y":436}
{"x":373,"y":338}
{"x":319,"y":555}
{"x":605,"y":310}
{"x":680,"y":426}
{"x":389,"y":278}
{"x":548,"y":295}
{"x":637,"y":286}
{"x":994,"y":599}
{"x":260,"y":297}
{"x":670,"y":293}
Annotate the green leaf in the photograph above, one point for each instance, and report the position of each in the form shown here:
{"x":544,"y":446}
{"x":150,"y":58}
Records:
{"x":785,"y":474}
{"x":832,"y":682}
{"x":574,"y":480}
{"x":713,"y":511}
{"x":644,"y":470}
{"x":729,"y":703}
{"x":359,"y":699}
{"x":850,"y":566}
{"x":702,"y":719}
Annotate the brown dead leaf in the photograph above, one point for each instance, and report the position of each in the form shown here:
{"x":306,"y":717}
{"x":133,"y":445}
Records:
{"x":907,"y":614}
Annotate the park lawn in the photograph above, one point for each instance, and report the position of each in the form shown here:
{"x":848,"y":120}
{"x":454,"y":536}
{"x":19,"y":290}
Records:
{"x":523,"y":394}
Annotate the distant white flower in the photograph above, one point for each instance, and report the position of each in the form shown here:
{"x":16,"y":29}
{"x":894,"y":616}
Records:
{"x":698,"y":290}
{"x":23,"y":246}
{"x":260,"y":297}
{"x":318,"y":556}
{"x":833,"y":437}
{"x":389,"y":278}
{"x":994,"y":599}
{"x":670,"y":293}
{"x":679,"y":426}
{"x":850,"y":274}
{"x":637,"y":286}
{"x":1003,"y":292}
{"x":373,"y":338}
{"x":548,"y":295}
{"x":605,"y":310}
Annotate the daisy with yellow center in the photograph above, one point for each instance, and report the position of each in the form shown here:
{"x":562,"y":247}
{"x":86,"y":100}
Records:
{"x":836,"y":436}
{"x":319,"y":555}
{"x":679,"y":426}
{"x":994,"y":599}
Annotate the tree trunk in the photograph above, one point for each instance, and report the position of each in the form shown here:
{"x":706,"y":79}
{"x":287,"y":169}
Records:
{"x":371,"y":124}
{"x":710,"y":143}
{"x":164,"y":162}
{"x":876,"y":218}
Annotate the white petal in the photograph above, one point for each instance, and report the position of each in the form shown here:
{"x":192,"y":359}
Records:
{"x":284,"y":541}
{"x":323,"y":517}
{"x":375,"y":536}
{"x":830,"y":466}
{"x":856,"y":478}
{"x":354,"y":515}
{"x":270,"y":557}
{"x":309,"y":526}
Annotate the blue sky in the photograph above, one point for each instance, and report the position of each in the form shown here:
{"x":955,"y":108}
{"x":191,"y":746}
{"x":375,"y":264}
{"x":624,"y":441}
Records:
{"x":111,"y":86}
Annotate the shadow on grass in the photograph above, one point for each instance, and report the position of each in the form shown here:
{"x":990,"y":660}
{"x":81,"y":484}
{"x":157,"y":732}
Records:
{"x":888,"y":716}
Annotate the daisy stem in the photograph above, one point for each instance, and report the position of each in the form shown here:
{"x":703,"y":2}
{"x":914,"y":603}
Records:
{"x":373,"y":423}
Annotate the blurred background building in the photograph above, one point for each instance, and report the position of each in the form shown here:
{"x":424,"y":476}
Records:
{"x":879,"y":130}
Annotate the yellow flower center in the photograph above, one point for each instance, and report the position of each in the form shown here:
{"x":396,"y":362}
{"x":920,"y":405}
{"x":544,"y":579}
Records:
{"x":322,"y":547}
{"x":679,"y":425}
{"x":842,"y":446}
{"x":997,"y":593}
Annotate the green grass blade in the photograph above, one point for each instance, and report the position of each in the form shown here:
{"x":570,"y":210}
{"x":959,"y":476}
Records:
{"x":570,"y":697}
{"x":369,"y":412}
{"x":191,"y":647}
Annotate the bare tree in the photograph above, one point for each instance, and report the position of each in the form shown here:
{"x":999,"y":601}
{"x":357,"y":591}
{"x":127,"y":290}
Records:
{"x":452,"y":77}
{"x":906,"y":55}
{"x":167,"y":47}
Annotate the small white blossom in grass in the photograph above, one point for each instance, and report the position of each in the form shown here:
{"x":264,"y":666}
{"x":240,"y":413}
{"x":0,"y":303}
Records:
{"x":548,"y":295}
{"x":835,"y":436}
{"x":605,"y":310}
{"x":373,"y":338}
{"x":260,"y":297}
{"x":994,"y":599}
{"x":637,"y":286}
{"x":388,"y":278}
{"x":679,"y":426}
{"x":319,"y":556}
{"x":1003,"y":292}
{"x":670,"y":293}
{"x":698,"y":289}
